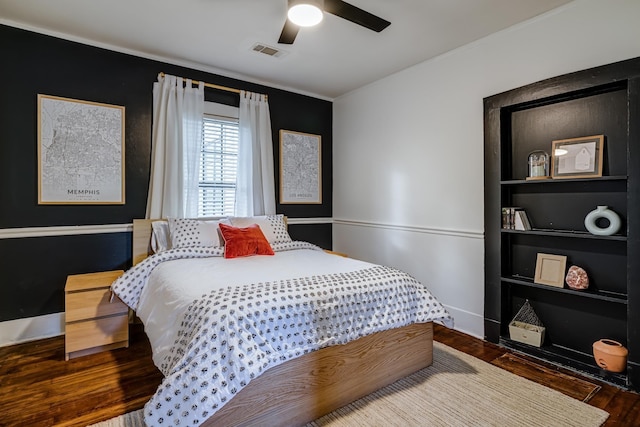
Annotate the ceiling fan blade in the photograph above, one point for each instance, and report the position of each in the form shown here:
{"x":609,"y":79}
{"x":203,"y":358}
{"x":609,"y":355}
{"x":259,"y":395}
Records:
{"x":289,"y":32}
{"x":355,"y":14}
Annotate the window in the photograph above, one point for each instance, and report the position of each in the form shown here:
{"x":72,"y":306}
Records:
{"x":218,"y":166}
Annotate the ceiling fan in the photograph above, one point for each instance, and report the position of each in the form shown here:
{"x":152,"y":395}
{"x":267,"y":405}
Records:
{"x":314,"y":9}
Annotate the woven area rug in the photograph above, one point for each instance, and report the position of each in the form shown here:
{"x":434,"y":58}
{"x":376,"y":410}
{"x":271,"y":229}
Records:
{"x":457,"y":390}
{"x":567,"y":384}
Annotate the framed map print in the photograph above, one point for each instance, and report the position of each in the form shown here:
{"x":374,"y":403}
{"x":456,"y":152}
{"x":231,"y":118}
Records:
{"x":300,"y":168}
{"x":80,"y":152}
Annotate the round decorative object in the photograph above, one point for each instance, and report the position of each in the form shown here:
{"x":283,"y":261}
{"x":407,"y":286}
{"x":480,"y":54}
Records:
{"x":577,"y":278}
{"x":538,"y":165}
{"x":610,"y":355}
{"x":590,"y":221}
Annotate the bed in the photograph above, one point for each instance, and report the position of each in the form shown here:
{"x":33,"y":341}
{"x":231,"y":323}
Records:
{"x":300,"y":373}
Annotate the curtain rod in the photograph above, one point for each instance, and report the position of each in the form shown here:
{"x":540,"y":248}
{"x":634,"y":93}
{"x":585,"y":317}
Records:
{"x":214,"y":86}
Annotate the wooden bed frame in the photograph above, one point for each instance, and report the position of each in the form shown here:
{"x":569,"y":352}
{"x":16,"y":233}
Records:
{"x":306,"y":388}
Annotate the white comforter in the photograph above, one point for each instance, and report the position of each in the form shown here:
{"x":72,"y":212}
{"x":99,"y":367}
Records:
{"x":214,"y":323}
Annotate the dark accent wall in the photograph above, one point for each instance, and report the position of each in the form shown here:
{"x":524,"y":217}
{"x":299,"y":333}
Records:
{"x":34,"y":269}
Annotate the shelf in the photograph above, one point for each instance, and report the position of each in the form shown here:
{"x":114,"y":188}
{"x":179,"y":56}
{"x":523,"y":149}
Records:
{"x":587,"y":293}
{"x":601,"y":101}
{"x":564,"y":357}
{"x":565,"y":233}
{"x":563,"y":180}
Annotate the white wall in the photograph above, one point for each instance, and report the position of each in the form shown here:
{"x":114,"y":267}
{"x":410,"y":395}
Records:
{"x":408,"y":149}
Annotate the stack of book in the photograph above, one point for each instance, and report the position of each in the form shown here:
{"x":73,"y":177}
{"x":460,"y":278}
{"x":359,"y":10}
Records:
{"x":514,"y":218}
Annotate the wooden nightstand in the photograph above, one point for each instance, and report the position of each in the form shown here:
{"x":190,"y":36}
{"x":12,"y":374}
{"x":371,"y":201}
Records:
{"x":93,"y":321}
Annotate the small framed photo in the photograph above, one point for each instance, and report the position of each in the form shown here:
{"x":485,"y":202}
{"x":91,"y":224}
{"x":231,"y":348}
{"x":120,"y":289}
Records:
{"x":550,"y":270}
{"x":577,"y":157}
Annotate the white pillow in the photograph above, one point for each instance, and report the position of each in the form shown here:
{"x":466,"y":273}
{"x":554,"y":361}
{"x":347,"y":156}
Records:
{"x":187,"y":232}
{"x":273,"y":227}
{"x":160,"y":238}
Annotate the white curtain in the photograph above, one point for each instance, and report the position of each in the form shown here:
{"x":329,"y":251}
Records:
{"x":175,"y":148}
{"x":255,"y":186}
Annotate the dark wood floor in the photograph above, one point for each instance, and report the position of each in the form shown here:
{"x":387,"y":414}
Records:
{"x":38,"y":388}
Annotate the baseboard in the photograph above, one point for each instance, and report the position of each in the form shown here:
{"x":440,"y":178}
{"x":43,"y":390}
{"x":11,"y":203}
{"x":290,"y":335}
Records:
{"x":52,"y":325}
{"x":31,"y":328}
{"x":467,"y":322}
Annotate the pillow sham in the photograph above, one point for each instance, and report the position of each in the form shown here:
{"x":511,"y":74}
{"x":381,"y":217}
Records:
{"x":244,"y":241}
{"x":187,"y":232}
{"x":160,"y":238}
{"x":273,"y":227}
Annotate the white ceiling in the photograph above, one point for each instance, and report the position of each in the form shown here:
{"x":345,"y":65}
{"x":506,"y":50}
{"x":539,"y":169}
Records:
{"x":329,"y":60}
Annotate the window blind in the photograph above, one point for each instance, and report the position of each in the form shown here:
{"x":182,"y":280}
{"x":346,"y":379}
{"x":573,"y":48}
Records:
{"x":218,"y":167}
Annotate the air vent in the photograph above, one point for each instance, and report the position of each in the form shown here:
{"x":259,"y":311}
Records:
{"x":268,"y":50}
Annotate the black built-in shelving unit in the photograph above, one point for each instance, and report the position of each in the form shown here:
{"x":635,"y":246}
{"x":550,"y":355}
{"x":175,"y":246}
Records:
{"x":603,"y":100}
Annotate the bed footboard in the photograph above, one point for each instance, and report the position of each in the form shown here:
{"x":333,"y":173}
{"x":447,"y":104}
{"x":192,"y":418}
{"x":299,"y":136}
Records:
{"x":306,"y":388}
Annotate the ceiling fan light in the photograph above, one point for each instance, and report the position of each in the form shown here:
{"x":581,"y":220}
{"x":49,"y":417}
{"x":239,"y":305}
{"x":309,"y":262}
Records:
{"x":305,"y":13}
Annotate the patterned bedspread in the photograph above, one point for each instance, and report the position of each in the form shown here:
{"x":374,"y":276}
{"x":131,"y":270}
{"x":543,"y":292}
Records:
{"x":233,"y":334}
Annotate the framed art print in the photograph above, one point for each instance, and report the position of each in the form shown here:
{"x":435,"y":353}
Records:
{"x":80,"y":152}
{"x":300,"y":168}
{"x":577,"y":157}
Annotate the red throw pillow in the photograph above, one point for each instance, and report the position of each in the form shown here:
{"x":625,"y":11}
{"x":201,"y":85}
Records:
{"x":248,"y":241}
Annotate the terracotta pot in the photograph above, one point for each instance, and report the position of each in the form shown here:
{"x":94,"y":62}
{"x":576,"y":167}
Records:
{"x":610,"y":355}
